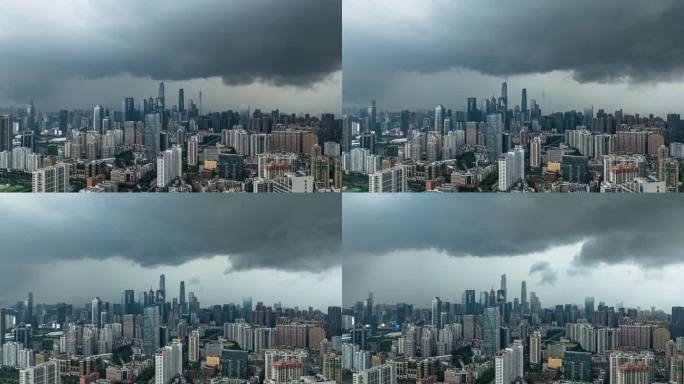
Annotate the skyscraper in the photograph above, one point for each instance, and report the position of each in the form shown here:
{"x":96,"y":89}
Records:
{"x":677,"y":325}
{"x":29,"y":310}
{"x":128,"y":302}
{"x":589,"y":309}
{"x":471,"y":110}
{"x":494,"y":141}
{"x":152,"y":135}
{"x":492,"y":323}
{"x":95,"y":311}
{"x":162,"y":283}
{"x":535,"y":348}
{"x":182,"y":296}
{"x":6,"y":133}
{"x":168,"y":362}
{"x":247,"y":309}
{"x":439,"y":119}
{"x":523,"y":102}
{"x":151,"y":334}
{"x":436,"y":312}
{"x":128,"y":109}
{"x":193,"y":346}
{"x":372,"y":122}
{"x":3,"y":327}
{"x":181,"y":100}
{"x":523,"y":297}
{"x":503,"y":282}
{"x":97,"y":119}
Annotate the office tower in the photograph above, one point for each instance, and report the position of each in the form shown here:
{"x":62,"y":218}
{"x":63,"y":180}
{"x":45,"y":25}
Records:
{"x":404,"y":121}
{"x":182,"y":296}
{"x":54,"y":178}
{"x":3,"y":327}
{"x":504,"y":94}
{"x":234,"y":364}
{"x":347,"y":134}
{"x":388,"y":180}
{"x":168,"y":362}
{"x":151,"y":331}
{"x":45,"y":373}
{"x":193,"y":346}
{"x":247,"y":309}
{"x":128,"y":303}
{"x":128,"y":109}
{"x":535,"y":348}
{"x":181,"y":101}
{"x":436,"y":312}
{"x":381,"y":374}
{"x":468,"y":301}
{"x":161,"y":90}
{"x":95,"y":311}
{"x":677,"y":325}
{"x":28,"y":303}
{"x":494,"y":141}
{"x":334,"y":322}
{"x":471,"y":110}
{"x":162,"y":278}
{"x":97,"y":119}
{"x":577,"y":366}
{"x":368,"y":309}
{"x":492,"y":323}
{"x":588,"y":116}
{"x":439,"y":119}
{"x":371,"y":124}
{"x":152,"y":131}
{"x":6,"y":133}
{"x":575,"y":169}
{"x":523,"y":103}
{"x":589,"y":309}
{"x":523,"y":296}
{"x":230,"y":166}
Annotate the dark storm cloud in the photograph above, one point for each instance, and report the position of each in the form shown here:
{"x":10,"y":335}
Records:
{"x":642,"y":230}
{"x":543,"y":270}
{"x":596,"y":41}
{"x":297,"y":234}
{"x":283,"y":43}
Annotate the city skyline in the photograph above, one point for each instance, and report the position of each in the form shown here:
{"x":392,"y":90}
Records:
{"x":92,"y":53}
{"x":611,"y":66}
{"x":586,"y":246}
{"x":218,"y":243}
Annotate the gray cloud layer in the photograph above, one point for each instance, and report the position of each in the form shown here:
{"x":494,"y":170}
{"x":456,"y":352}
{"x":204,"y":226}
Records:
{"x":301,"y":234}
{"x":642,"y":230}
{"x":543,"y":270}
{"x":596,"y":41}
{"x":283,"y":43}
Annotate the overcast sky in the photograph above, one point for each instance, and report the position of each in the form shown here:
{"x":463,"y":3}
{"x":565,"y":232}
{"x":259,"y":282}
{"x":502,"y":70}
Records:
{"x":71,"y":248}
{"x":77,"y":53}
{"x":568,"y":54}
{"x":410,"y":248}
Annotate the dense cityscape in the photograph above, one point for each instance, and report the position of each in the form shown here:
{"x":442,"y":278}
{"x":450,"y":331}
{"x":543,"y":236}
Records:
{"x":154,"y":338}
{"x":496,"y":335}
{"x":154,"y":146}
{"x":497,"y":144}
